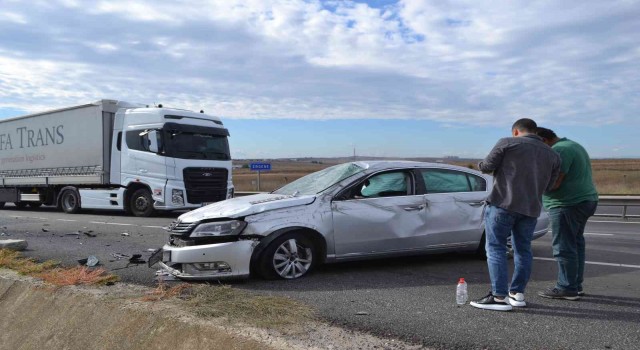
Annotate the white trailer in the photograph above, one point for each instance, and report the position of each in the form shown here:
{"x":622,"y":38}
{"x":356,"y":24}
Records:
{"x":114,"y":155}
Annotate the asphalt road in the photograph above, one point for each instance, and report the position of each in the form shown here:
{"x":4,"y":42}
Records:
{"x":408,"y":298}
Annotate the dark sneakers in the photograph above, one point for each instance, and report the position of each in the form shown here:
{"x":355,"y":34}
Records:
{"x":555,"y":293}
{"x":492,"y":303}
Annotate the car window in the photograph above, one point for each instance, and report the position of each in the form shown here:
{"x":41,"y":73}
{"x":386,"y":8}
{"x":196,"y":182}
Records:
{"x":447,"y":181}
{"x":389,"y":184}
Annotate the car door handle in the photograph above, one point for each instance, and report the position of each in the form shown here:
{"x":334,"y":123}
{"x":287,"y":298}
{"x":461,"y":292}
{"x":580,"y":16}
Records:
{"x":417,"y":207}
{"x":475,"y":204}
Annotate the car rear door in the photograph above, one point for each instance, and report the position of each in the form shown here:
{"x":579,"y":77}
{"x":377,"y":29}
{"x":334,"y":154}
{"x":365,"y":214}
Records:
{"x":454,"y":207}
{"x":380,"y":214}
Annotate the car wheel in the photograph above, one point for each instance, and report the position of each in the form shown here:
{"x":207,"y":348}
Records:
{"x":70,"y":202}
{"x":290,"y":256}
{"x":141,"y":203}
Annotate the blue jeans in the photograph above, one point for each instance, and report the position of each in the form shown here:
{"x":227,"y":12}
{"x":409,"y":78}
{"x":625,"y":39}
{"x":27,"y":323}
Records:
{"x":567,"y":226}
{"x":500,"y":224}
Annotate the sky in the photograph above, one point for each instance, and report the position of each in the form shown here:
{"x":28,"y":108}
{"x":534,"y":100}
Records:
{"x":407,"y":78}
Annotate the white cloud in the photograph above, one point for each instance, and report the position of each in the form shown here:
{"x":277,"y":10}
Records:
{"x":456,"y":61}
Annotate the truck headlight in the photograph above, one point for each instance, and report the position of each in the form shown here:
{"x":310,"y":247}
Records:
{"x":220,"y":228}
{"x":177,"y":197}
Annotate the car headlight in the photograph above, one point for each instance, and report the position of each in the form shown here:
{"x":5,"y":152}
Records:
{"x":220,"y":228}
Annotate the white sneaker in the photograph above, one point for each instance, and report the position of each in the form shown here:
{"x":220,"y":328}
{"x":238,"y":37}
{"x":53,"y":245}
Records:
{"x":516,"y":299}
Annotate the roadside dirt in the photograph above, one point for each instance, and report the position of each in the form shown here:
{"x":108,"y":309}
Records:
{"x":35,"y":315}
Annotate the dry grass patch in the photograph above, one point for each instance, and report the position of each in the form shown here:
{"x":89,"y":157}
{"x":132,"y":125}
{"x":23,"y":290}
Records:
{"x":13,"y":260}
{"x":79,"y":275}
{"x":163,"y":292}
{"x":258,"y":310}
{"x":50,"y":272}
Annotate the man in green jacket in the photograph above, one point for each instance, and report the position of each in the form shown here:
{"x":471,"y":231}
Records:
{"x":570,"y":204}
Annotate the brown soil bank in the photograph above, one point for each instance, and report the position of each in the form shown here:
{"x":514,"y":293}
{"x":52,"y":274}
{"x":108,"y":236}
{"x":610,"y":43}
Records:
{"x":37,"y":317}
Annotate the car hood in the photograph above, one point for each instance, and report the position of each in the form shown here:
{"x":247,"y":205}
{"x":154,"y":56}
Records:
{"x":244,"y":206}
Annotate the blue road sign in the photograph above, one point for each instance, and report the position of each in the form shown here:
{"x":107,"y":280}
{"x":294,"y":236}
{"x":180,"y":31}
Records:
{"x":260,"y":166}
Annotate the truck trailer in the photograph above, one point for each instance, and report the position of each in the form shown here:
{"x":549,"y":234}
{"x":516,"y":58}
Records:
{"x":115,"y":155}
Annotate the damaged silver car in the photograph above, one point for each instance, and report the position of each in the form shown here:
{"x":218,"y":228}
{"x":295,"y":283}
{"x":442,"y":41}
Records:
{"x":358,"y":210}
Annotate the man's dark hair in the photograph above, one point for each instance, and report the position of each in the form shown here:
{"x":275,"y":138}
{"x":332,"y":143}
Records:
{"x":546,"y":134}
{"x":526,"y":125}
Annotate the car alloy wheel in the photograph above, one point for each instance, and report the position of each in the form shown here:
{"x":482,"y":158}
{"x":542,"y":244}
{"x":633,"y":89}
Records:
{"x":292,"y":259}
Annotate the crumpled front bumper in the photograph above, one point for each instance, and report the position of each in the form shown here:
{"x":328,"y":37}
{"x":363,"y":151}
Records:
{"x":195,"y":262}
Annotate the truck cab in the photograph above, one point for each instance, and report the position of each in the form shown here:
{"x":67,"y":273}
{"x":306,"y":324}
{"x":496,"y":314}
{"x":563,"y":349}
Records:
{"x":179,"y":158}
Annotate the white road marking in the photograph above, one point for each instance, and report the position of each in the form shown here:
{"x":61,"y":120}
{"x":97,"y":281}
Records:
{"x":616,"y":222}
{"x":97,"y":222}
{"x":594,"y":263}
{"x":153,"y":226}
{"x":67,"y":220}
{"x":598,"y":234}
{"x":118,"y":224}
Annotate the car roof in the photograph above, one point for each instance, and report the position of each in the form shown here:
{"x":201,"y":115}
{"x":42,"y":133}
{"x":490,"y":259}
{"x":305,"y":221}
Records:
{"x":375,"y":165}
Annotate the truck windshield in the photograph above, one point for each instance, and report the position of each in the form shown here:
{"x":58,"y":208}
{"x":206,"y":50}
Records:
{"x":321,"y":180}
{"x":193,"y":145}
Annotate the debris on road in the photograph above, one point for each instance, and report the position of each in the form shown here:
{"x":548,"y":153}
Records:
{"x":13,"y":244}
{"x":92,"y":261}
{"x":362,"y":313}
{"x":119,"y":256}
{"x":125,"y":234}
{"x":137,"y":259}
{"x":151,"y":250}
{"x":89,"y":234}
{"x":72,"y":234}
{"x":44,"y":230}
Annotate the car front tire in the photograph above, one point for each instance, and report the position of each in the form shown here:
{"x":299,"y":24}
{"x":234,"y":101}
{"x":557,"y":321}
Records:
{"x":290,"y":256}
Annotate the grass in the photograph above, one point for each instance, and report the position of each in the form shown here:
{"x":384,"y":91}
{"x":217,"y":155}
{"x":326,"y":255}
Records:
{"x":235,"y":305}
{"x":52,"y":273}
{"x":238,"y":305}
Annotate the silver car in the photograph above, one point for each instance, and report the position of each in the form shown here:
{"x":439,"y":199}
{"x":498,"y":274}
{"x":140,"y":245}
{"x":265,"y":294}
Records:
{"x":358,"y":210}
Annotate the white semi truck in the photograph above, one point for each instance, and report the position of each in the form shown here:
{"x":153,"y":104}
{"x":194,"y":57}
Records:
{"x":114,"y":155}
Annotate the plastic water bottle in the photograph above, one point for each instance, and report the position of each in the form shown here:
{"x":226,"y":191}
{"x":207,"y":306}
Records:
{"x":461,"y":292}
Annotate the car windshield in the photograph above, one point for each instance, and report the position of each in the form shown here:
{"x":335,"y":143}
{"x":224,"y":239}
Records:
{"x":321,"y":180}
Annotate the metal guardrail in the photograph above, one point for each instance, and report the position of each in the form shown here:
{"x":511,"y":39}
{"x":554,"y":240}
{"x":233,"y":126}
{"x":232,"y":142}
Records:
{"x":609,"y":201}
{"x":620,"y":201}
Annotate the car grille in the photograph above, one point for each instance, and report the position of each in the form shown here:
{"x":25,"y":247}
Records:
{"x":182,"y":228}
{"x":205,"y":184}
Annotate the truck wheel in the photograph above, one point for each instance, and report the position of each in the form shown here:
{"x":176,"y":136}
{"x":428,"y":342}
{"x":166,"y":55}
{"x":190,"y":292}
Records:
{"x":35,"y":204}
{"x":20,"y":205}
{"x":70,"y":202}
{"x":290,"y":256}
{"x":1,"y":205}
{"x":141,"y":203}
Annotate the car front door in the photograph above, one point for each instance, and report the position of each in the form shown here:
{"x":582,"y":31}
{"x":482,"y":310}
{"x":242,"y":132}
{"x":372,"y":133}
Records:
{"x":379,"y":215}
{"x":455,"y":207}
